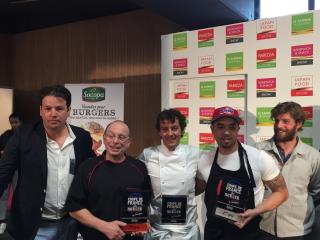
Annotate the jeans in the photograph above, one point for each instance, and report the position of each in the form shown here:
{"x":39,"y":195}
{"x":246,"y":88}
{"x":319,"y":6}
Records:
{"x":3,"y":205}
{"x":64,"y":229}
{"x":266,"y":236}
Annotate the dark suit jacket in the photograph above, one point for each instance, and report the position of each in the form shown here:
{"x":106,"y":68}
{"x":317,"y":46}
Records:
{"x":4,"y":139}
{"x":27,"y":152}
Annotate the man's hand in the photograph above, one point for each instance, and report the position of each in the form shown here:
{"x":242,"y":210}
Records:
{"x":113,"y":230}
{"x":245,"y":218}
{"x":141,"y":233}
{"x":110,"y":229}
{"x":279,"y":195}
{"x":95,"y":146}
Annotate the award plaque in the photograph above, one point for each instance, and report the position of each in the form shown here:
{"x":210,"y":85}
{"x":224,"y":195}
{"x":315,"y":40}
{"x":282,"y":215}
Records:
{"x":231,"y":199}
{"x":174,"y":209}
{"x":229,"y":212}
{"x":134,"y":211}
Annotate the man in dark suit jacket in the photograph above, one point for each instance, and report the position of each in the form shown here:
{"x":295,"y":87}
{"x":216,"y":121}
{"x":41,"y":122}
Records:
{"x":15,"y":122}
{"x":46,"y":156}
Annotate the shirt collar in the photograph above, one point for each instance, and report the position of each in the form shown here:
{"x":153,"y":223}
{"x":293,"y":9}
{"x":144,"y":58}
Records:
{"x":299,"y":149}
{"x":163,"y":148}
{"x":71,"y":133}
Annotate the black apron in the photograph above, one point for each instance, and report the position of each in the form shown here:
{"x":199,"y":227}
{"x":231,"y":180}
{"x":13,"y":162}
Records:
{"x":217,"y":228}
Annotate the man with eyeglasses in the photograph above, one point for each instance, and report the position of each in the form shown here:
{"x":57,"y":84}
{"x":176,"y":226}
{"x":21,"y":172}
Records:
{"x":96,"y":194}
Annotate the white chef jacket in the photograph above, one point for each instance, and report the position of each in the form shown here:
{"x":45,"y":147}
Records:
{"x":172,"y":173}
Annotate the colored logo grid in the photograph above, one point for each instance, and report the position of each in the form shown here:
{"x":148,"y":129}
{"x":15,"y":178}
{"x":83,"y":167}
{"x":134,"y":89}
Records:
{"x":181,"y":90}
{"x":180,"y":41}
{"x":234,"y":33}
{"x":206,"y":114}
{"x":184,"y":111}
{"x":207,"y":89}
{"x":180,"y":66}
{"x":301,"y":86}
{"x":234,"y":61}
{"x":266,"y":58}
{"x":185,"y":138}
{"x":206,"y":141}
{"x":206,"y":38}
{"x":206,"y":64}
{"x":302,"y":55}
{"x":235,"y":88}
{"x":302,"y":24}
{"x":266,"y":87}
{"x":266,"y":28}
{"x":308,"y":111}
{"x":263,"y":116}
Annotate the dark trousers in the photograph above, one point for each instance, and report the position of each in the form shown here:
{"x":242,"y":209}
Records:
{"x":227,"y":236}
{"x":221,"y":230}
{"x":267,"y":236}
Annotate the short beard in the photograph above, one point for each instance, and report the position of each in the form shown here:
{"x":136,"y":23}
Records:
{"x":289,"y":135}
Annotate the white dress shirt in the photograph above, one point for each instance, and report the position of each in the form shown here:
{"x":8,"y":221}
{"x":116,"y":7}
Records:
{"x":61,"y":163}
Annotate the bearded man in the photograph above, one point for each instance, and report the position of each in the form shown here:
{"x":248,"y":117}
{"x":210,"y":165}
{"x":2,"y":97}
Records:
{"x":299,"y":165}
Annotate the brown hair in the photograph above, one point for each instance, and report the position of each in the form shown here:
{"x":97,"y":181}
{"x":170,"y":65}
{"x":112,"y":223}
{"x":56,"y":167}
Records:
{"x":295,"y":110}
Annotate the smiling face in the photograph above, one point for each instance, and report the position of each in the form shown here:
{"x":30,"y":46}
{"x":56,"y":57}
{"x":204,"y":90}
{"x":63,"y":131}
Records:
{"x":54,"y":113}
{"x":170,"y":133}
{"x":116,"y":140}
{"x":225,"y":131}
{"x":285,"y":128}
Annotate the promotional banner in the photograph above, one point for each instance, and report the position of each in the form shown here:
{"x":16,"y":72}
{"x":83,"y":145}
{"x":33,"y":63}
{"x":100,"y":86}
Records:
{"x":197,"y":98}
{"x":234,"y":33}
{"x":6,"y":100}
{"x":266,"y":87}
{"x":266,"y":28}
{"x":279,"y":56}
{"x":234,"y":61}
{"x":94,"y":106}
{"x":302,"y":24}
{"x":206,"y":38}
{"x":251,"y":66}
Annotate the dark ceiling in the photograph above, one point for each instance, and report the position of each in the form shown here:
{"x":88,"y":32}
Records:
{"x":26,"y":15}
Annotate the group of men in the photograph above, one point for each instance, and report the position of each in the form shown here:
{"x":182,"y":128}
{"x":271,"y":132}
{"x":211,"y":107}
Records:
{"x":249,"y":193}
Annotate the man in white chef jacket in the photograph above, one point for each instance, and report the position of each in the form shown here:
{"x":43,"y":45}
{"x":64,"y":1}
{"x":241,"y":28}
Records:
{"x":172,"y":168}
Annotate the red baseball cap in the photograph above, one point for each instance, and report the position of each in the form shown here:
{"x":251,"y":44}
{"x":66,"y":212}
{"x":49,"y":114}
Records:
{"x":225,"y":112}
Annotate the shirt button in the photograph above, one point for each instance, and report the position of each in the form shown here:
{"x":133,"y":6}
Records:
{"x":41,"y":209}
{"x":44,"y":190}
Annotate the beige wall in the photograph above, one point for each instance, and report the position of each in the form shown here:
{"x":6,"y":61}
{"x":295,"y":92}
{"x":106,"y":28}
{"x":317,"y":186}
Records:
{"x":5,"y":60}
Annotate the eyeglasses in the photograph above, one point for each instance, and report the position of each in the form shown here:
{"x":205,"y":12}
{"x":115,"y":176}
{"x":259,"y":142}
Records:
{"x":120,"y":138}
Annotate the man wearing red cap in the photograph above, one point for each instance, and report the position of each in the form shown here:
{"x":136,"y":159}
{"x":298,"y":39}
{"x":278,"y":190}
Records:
{"x":235,"y":174}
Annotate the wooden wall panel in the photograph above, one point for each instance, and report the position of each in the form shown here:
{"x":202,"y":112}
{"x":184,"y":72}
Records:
{"x":5,"y":60}
{"x":122,"y":48}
